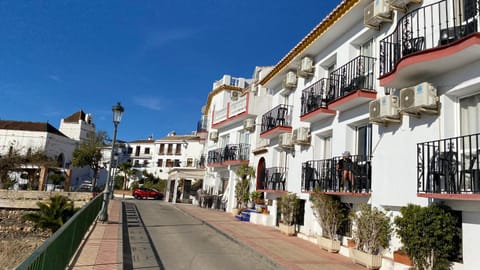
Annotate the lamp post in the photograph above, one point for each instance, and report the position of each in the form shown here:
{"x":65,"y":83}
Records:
{"x":117,"y":117}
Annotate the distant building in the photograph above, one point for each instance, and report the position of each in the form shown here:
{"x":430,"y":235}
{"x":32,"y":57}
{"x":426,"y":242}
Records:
{"x":77,"y":126}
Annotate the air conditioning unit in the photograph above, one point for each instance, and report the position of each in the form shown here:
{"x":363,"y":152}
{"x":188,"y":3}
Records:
{"x":301,"y":135}
{"x":234,"y":95}
{"x":285,"y":140}
{"x":421,"y":96}
{"x":290,"y":80}
{"x":213,"y":135}
{"x":402,"y":4}
{"x":249,"y":124}
{"x":384,"y":107}
{"x":376,"y":13}
{"x":306,"y":67}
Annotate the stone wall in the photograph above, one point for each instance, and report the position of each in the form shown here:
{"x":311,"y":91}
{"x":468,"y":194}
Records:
{"x":27,"y":199}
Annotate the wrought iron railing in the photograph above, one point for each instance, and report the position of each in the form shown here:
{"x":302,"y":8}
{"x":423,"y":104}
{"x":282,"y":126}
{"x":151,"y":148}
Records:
{"x":317,"y":96}
{"x":449,"y":166}
{"x":231,"y":152}
{"x":280,"y":116}
{"x":334,"y":175}
{"x":274,"y":178}
{"x":355,"y":75}
{"x":57,"y":251}
{"x":427,"y":27}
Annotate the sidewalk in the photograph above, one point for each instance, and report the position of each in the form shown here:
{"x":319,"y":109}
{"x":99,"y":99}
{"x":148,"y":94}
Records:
{"x":102,"y":248}
{"x":287,"y":252}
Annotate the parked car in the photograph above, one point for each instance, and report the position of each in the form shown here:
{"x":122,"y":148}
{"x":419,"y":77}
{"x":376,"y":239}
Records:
{"x":141,"y":193}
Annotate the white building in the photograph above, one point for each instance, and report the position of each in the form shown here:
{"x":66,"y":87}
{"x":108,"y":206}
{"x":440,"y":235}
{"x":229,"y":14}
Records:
{"x":77,"y":126}
{"x":396,"y":84}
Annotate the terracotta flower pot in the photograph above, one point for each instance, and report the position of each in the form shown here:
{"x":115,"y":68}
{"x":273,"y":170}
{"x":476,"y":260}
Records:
{"x":402,"y":257}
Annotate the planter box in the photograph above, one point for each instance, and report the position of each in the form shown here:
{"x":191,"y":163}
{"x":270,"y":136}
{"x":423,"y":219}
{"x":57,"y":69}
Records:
{"x":235,"y":211}
{"x":287,"y":229}
{"x":401,"y":257}
{"x":328,"y":244}
{"x":368,"y":260}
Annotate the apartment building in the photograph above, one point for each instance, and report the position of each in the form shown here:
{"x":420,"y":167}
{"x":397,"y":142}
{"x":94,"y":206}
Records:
{"x":396,"y":85}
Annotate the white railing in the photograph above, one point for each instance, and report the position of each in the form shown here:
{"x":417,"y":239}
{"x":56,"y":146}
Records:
{"x":239,"y":106}
{"x":220,"y":115}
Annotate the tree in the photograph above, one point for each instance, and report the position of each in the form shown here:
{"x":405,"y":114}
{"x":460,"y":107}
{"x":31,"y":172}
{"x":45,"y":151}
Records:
{"x":52,"y":214}
{"x":89,"y":153}
{"x":430,"y":235}
{"x":7,"y":164}
{"x":288,"y":204}
{"x":126,"y":169}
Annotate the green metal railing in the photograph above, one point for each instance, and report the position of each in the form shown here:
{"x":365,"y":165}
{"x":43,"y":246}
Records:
{"x":57,"y":251}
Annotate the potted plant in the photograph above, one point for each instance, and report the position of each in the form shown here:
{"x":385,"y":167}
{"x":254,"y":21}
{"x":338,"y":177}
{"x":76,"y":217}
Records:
{"x":329,"y":215}
{"x":372,"y":232}
{"x":242,"y":188}
{"x":430,"y":235}
{"x":288,"y":205}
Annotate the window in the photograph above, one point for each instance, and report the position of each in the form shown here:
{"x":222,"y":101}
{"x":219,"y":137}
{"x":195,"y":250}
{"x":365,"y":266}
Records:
{"x":364,"y":140}
{"x":136,"y":163}
{"x":469,"y":111}
{"x":189,"y":162}
{"x":146,"y":151}
{"x":129,"y":150}
{"x":178,"y":149}
{"x":224,"y":140}
{"x":145,"y":163}
{"x":366,"y":49}
{"x":169,"y":163}
{"x":159,"y":162}
{"x":176,"y":163}
{"x":162,"y":149}
{"x":244,"y":137}
{"x":170,"y":149}
{"x":327,"y":147}
{"x":137,"y":151}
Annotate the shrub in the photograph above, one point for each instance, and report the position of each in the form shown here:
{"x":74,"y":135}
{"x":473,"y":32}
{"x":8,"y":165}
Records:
{"x":372,"y":231}
{"x":329,"y":213}
{"x":430,"y":235}
{"x":288,"y":205}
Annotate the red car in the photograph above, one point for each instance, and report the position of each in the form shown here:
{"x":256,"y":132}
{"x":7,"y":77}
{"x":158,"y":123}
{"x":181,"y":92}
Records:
{"x":141,"y":193}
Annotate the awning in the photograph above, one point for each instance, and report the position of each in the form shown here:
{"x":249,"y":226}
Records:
{"x":186,"y":173}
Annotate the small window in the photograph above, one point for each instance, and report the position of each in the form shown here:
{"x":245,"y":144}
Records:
{"x":178,"y":149}
{"x":159,"y":162}
{"x":162,"y":149}
{"x":189,"y":162}
{"x":147,"y":151}
{"x":137,"y":151}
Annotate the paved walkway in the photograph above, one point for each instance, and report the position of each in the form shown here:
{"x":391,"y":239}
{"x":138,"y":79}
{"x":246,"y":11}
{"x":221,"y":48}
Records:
{"x":103,"y":247}
{"x":287,"y":252}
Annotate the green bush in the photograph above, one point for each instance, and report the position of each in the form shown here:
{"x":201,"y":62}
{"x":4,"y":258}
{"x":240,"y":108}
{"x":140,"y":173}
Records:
{"x":288,"y":205}
{"x":430,"y":235}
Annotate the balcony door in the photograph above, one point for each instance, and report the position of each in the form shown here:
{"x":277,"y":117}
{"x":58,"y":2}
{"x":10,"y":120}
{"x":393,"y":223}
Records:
{"x":364,"y":140}
{"x":469,"y":112}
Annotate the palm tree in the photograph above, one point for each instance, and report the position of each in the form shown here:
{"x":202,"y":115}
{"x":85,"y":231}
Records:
{"x":52,"y":214}
{"x":126,"y":169}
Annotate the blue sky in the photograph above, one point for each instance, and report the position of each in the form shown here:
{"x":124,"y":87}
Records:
{"x":159,"y":58}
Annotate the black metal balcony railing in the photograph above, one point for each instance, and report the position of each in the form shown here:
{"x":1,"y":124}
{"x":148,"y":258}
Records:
{"x":274,"y":178}
{"x":231,"y":152}
{"x":428,"y":27}
{"x":355,"y":75}
{"x":327,"y":176}
{"x":280,"y":116}
{"x":317,"y":96}
{"x":449,"y":166}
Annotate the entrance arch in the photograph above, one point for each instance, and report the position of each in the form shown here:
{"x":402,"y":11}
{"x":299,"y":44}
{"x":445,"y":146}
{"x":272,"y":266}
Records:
{"x":260,"y":174}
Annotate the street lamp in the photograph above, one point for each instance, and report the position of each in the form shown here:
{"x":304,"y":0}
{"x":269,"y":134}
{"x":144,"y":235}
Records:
{"x":117,"y":117}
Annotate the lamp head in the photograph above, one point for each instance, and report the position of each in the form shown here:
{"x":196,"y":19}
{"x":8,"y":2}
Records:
{"x":117,"y":113}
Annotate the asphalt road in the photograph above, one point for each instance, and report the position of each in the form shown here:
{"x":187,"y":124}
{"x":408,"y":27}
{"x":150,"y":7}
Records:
{"x":159,"y":236}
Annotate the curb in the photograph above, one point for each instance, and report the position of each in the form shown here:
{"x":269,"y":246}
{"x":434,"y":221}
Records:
{"x":242,"y":244}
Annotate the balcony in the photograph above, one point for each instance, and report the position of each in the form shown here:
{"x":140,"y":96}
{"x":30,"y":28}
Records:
{"x":276,"y":121}
{"x":274,"y":180}
{"x":430,"y":40}
{"x":314,"y":101}
{"x":235,"y":111}
{"x":352,"y":84}
{"x":231,"y":154}
{"x":449,"y":168}
{"x":324,"y":176}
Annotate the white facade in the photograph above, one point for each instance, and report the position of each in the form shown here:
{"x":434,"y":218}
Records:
{"x":330,"y":107}
{"x":77,"y":126}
